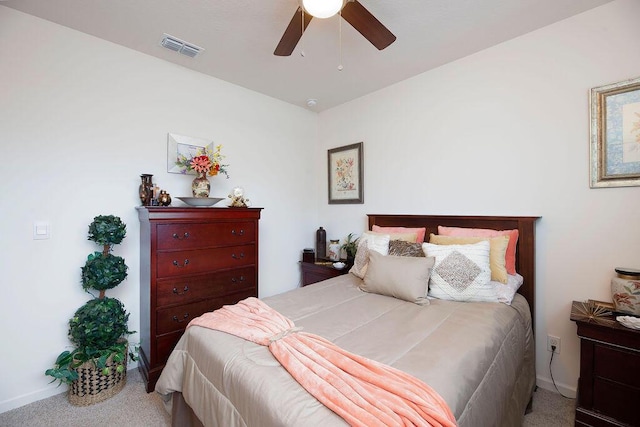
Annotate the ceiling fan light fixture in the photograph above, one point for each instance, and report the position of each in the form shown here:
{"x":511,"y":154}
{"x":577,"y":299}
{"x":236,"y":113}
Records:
{"x":322,"y":8}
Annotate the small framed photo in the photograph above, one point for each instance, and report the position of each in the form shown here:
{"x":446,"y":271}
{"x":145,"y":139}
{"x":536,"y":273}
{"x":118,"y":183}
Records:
{"x":615,"y":135}
{"x":345,"y":174}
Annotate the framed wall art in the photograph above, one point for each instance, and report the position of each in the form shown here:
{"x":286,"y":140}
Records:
{"x":345,"y":174}
{"x":181,"y":148}
{"x":615,"y":135}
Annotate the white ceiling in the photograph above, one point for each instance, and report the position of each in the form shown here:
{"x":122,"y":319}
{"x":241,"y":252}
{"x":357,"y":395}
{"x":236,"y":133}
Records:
{"x":239,"y":37}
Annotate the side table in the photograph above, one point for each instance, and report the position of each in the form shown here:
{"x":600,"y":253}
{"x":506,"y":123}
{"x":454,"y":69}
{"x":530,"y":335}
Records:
{"x":609,"y":384}
{"x":313,"y":272}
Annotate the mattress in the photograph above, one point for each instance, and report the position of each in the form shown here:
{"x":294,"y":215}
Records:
{"x":478,"y":356}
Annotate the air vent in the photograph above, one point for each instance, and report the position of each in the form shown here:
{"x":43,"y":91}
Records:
{"x":180,"y":46}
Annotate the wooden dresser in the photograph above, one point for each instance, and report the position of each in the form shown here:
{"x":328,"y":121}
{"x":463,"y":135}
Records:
{"x":192,"y":260}
{"x":609,"y":384}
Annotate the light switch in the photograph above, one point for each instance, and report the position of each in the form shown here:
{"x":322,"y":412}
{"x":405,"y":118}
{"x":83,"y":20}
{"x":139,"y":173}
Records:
{"x":41,"y":230}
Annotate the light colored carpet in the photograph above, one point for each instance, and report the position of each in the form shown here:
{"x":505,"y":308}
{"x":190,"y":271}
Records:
{"x":133,"y":407}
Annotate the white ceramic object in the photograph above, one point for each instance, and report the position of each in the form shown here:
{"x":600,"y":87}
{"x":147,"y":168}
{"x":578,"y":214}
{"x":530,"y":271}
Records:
{"x":200,"y":201}
{"x":629,"y":321}
{"x":625,"y":295}
{"x":339,"y":265}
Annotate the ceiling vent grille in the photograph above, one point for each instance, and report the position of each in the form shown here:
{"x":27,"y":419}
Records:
{"x":180,"y":46}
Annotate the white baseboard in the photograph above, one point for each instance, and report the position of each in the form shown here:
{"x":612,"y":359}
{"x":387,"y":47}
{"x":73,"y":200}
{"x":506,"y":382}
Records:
{"x":44,"y":393}
{"x":25,"y":399}
{"x":547,"y":384}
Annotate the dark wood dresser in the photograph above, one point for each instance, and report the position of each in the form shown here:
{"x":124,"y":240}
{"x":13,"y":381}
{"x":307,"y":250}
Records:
{"x":192,"y":260}
{"x":609,"y":384}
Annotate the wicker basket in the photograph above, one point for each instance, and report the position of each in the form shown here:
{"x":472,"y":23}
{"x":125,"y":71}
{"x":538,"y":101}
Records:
{"x":93,"y":387}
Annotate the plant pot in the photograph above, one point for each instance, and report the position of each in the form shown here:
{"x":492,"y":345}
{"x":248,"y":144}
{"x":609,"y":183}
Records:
{"x":93,"y":387}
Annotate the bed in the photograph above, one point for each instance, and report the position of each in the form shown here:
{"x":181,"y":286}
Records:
{"x":479,"y":356}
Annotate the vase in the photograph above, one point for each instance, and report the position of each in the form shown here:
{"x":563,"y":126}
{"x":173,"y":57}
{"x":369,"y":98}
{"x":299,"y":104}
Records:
{"x":201,"y":186}
{"x":146,"y":189}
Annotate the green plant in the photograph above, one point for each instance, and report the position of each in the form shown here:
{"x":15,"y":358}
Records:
{"x":99,"y":328}
{"x":350,"y":246}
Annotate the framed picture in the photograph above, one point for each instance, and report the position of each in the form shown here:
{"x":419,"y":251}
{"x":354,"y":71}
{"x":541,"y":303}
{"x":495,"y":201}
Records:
{"x":615,"y":134}
{"x":345,"y":174}
{"x":180,"y":149}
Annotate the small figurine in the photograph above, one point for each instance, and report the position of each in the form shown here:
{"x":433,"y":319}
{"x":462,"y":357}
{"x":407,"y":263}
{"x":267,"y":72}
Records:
{"x":237,"y":198}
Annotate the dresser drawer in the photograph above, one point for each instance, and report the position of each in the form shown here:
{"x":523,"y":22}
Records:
{"x":202,"y":235}
{"x":190,"y":288}
{"x":179,"y":263}
{"x":617,"y":365}
{"x":176,"y":318}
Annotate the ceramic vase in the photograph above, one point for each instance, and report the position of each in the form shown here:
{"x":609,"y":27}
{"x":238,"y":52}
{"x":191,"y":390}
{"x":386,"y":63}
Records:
{"x":201,"y":186}
{"x":626,"y":295}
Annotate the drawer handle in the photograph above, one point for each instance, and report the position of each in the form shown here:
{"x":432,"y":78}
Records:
{"x":184,"y":291}
{"x":186,"y":261}
{"x":185,"y":317}
{"x":234,"y":280}
{"x":234,"y":256}
{"x":241,"y":233}
{"x":183,"y":237}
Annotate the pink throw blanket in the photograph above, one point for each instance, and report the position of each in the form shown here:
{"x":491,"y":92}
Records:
{"x":362,"y":391}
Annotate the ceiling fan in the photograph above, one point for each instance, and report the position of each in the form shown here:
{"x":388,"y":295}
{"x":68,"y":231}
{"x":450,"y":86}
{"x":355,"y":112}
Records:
{"x":352,"y":11}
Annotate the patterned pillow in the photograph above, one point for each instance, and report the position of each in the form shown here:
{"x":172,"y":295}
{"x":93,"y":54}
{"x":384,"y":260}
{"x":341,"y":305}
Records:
{"x":369,"y":241}
{"x":402,"y":248}
{"x":461,"y":272}
{"x":497,"y":251}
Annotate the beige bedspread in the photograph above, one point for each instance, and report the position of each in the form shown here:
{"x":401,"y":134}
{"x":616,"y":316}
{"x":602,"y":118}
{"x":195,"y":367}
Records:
{"x":477,"y":356}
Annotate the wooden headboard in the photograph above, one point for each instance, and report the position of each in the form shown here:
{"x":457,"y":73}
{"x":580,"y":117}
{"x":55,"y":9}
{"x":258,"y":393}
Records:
{"x":525,"y":251}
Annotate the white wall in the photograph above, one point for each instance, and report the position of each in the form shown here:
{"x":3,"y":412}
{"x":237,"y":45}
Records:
{"x":80,"y":120}
{"x":505,"y":132}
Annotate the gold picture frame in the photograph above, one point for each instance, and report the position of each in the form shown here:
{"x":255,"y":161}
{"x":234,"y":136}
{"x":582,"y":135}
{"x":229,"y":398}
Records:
{"x":615,"y":135}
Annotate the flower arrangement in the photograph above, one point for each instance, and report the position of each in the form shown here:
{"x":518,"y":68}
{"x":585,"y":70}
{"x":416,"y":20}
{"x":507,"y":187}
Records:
{"x":206,"y":161}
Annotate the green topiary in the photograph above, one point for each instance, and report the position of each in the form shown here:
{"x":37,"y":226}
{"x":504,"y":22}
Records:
{"x":107,"y":230}
{"x":98,"y":328}
{"x":100,"y":323}
{"x":103,"y":271}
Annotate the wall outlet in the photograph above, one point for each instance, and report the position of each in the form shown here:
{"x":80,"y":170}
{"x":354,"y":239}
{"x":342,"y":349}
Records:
{"x":553,"y":342}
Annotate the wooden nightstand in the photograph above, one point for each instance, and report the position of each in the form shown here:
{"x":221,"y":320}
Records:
{"x":609,"y":384}
{"x":316,"y":272}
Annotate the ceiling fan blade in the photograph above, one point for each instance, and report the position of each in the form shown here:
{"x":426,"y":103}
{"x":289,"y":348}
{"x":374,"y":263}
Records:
{"x":292,"y":34}
{"x":367,"y":25}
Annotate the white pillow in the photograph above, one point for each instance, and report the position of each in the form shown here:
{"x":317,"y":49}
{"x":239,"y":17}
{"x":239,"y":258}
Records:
{"x":369,"y":241}
{"x":506,"y":292}
{"x":461,"y":272}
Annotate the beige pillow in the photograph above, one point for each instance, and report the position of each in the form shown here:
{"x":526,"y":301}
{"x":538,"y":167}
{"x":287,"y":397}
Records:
{"x":405,"y":278}
{"x":368,"y":242}
{"x":497,"y":251}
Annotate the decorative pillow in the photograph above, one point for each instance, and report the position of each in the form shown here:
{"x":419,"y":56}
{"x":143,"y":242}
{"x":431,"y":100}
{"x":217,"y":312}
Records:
{"x":405,"y":278}
{"x":402,"y":248}
{"x":506,"y":292}
{"x":420,"y":232}
{"x":368,"y":242}
{"x":461,"y":272}
{"x":483,"y":232}
{"x":497,"y":251}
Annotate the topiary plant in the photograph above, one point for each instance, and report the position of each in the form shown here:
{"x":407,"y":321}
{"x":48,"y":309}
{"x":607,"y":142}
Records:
{"x":99,"y":328}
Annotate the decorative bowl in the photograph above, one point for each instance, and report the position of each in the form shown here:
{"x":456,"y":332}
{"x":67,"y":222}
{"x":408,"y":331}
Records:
{"x":629,"y":321}
{"x":200,"y":201}
{"x":339,"y":265}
